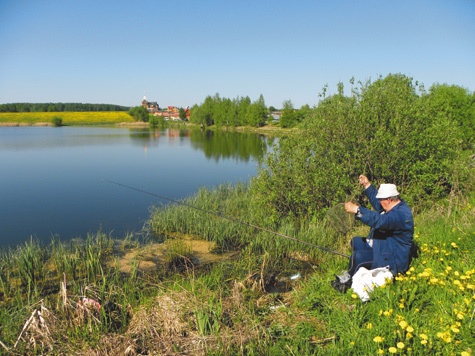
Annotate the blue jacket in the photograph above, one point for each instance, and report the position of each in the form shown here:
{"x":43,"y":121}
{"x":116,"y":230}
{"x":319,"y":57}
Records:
{"x":392,"y":233}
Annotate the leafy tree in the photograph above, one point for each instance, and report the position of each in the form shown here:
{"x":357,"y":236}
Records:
{"x":182,"y":114}
{"x":156,"y":121}
{"x":451,"y":102}
{"x":195,"y":114}
{"x":139,"y":113}
{"x":288,"y":117}
{"x":243,"y":108}
{"x":257,"y":113}
{"x":208,"y":110}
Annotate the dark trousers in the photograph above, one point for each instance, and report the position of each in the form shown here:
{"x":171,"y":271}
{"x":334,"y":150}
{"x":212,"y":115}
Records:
{"x":362,"y":255}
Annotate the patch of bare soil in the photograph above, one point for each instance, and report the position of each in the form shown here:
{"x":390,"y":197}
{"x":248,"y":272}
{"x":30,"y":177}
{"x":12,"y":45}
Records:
{"x":133,"y":124}
{"x":23,"y":124}
{"x":148,"y":258}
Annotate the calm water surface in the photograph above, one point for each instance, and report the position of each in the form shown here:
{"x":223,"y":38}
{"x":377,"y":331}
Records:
{"x":53,"y":180}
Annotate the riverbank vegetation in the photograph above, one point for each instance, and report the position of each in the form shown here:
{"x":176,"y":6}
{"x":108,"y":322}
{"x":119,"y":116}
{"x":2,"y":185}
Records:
{"x":269,"y":295}
{"x":262,"y":293}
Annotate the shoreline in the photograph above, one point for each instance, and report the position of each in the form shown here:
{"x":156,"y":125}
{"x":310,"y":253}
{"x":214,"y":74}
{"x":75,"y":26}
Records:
{"x":243,"y":129}
{"x":24,"y":124}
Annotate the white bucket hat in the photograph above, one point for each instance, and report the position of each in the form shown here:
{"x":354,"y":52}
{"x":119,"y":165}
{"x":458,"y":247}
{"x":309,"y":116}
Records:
{"x":386,"y":191}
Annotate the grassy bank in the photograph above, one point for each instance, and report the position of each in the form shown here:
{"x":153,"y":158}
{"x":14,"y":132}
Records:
{"x":80,"y":298}
{"x":69,"y":118}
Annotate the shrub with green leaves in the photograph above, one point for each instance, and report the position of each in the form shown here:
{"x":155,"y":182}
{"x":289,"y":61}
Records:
{"x":156,"y":121}
{"x":57,"y":121}
{"x":385,"y":130}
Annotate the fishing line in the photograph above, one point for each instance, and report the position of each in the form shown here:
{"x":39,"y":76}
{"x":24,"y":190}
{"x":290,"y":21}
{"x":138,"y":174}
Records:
{"x":224,"y":217}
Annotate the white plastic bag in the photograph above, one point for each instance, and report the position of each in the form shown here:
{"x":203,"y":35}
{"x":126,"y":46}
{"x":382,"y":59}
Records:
{"x":364,"y":281}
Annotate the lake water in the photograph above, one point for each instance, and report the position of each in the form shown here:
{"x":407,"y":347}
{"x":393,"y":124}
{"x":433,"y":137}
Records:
{"x":53,"y":181}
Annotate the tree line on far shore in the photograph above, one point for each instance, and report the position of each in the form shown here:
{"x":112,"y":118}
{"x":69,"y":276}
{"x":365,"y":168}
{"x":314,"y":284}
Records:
{"x":59,"y":107}
{"x":241,"y":111}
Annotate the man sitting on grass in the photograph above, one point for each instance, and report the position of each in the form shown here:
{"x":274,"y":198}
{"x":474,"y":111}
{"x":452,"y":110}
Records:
{"x":390,"y":239}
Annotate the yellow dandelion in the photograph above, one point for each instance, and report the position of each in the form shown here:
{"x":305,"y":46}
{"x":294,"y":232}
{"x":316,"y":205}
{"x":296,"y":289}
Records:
{"x":403,"y":324}
{"x":401,"y":305}
{"x":392,"y":350}
{"x":369,"y":326}
{"x":423,"y":336}
{"x":423,"y":342}
{"x":465,"y":353}
{"x":460,"y":316}
{"x":410,"y":329}
{"x":409,"y":336}
{"x":380,"y":352}
{"x":400,"y":345}
{"x":455,"y":329}
{"x":354,"y":296}
{"x":378,"y":339}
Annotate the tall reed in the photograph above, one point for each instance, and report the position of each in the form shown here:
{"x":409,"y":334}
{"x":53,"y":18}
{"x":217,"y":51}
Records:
{"x":30,"y":259}
{"x":235,"y":202}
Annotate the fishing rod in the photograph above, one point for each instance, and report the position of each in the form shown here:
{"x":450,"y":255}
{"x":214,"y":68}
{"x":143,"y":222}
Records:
{"x":224,"y":217}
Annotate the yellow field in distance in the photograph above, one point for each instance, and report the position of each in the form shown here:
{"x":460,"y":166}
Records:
{"x":69,"y":118}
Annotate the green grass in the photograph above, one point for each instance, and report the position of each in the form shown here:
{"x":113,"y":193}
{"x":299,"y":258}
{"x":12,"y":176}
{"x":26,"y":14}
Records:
{"x":246,"y":304}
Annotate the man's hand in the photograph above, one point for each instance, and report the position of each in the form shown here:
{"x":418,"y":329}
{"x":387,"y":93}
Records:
{"x":364,"y":181}
{"x":351,"y":208}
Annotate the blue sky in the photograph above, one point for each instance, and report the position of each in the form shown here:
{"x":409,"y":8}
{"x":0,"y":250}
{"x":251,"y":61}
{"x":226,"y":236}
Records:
{"x":178,"y":52}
